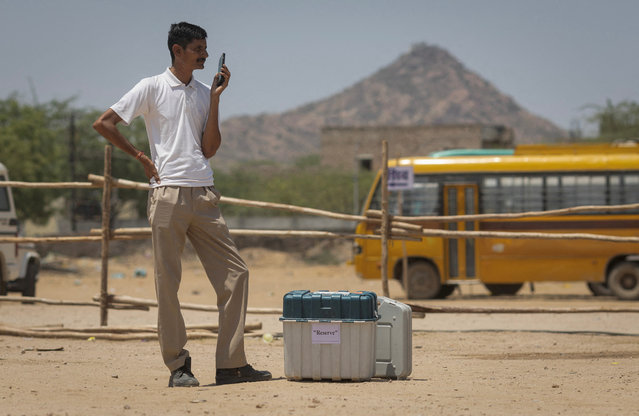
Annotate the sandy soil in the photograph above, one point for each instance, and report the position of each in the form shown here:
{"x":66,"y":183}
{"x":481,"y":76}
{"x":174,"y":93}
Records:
{"x":500,"y":364}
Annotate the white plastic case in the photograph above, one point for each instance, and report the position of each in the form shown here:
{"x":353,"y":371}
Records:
{"x":394,"y":346}
{"x":350,"y":358}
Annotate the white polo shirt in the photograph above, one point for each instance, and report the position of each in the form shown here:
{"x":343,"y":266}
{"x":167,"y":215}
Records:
{"x":175,"y":115}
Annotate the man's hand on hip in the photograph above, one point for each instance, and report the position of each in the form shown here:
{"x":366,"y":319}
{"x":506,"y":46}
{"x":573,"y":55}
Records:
{"x":149,"y":168}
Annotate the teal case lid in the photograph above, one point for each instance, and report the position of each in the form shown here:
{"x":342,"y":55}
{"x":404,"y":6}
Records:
{"x":323,"y":305}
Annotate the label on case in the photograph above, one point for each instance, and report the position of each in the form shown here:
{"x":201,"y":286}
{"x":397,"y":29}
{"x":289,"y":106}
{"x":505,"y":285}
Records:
{"x":325,"y":333}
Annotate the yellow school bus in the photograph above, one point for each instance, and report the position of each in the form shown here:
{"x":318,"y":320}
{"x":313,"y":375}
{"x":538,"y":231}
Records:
{"x":530,"y":178}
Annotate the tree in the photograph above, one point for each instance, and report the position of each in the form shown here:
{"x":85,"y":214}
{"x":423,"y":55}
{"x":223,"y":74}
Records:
{"x":89,"y":159}
{"x":617,"y":121}
{"x":29,"y":148}
{"x":305,"y":183}
{"x":35,"y":147}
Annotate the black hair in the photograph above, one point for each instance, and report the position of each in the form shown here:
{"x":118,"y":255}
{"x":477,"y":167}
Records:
{"x":182,"y":34}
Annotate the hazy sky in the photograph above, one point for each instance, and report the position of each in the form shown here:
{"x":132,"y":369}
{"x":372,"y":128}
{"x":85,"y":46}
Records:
{"x":552,"y":57}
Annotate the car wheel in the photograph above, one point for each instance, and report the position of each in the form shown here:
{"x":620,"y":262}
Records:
{"x":623,"y":281}
{"x":599,"y":289}
{"x":3,"y":285}
{"x":29,"y":283}
{"x":503,"y":289}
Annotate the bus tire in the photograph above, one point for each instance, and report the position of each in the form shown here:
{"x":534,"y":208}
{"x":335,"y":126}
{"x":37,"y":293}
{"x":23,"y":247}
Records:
{"x":446,"y":291}
{"x":623,"y":281}
{"x":599,"y":289}
{"x":503,"y":289}
{"x":423,"y":281}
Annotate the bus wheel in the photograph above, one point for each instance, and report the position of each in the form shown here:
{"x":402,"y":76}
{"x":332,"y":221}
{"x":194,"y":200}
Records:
{"x":506,"y":289}
{"x":599,"y":289}
{"x":446,"y":291}
{"x":623,"y":281}
{"x":423,"y":281}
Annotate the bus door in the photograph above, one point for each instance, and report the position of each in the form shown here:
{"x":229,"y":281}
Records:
{"x":460,"y":253}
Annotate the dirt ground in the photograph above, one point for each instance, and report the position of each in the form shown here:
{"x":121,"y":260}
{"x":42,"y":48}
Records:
{"x":474,"y":364}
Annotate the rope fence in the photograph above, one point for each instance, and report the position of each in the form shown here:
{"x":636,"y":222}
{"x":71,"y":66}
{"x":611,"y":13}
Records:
{"x":391,"y":227}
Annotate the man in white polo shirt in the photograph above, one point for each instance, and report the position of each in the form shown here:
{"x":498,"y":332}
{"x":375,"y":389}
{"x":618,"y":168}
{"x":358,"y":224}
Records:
{"x":181,"y":117}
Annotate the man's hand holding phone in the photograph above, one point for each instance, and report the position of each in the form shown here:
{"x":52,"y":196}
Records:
{"x":221,"y":80}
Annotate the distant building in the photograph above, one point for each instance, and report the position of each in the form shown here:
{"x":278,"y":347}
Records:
{"x":348,"y":147}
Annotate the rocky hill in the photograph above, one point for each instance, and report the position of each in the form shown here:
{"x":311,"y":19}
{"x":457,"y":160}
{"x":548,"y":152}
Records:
{"x":427,"y":85}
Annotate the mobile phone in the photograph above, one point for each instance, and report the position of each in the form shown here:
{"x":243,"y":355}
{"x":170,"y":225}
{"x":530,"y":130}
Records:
{"x":220,"y":80}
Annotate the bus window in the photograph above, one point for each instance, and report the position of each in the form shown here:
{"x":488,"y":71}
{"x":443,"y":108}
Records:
{"x":583,"y":190}
{"x":631,"y":189}
{"x":590,"y":190}
{"x":512,"y":189}
{"x":568,"y":191}
{"x":422,"y":200}
{"x":615,"y":195}
{"x":533,"y":194}
{"x":489,"y":196}
{"x":508,"y":194}
{"x":553,"y":192}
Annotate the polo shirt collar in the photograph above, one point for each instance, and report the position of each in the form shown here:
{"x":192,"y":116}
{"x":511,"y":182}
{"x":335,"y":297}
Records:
{"x":173,"y":80}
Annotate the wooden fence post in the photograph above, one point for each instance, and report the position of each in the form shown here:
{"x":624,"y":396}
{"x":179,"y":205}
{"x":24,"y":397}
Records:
{"x":385,"y":219}
{"x":106,"y":217}
{"x":400,"y":211}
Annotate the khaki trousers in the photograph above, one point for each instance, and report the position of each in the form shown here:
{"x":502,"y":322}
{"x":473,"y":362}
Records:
{"x":174,"y":214}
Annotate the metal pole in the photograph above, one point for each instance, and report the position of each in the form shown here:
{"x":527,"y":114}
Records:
{"x":106,"y":214}
{"x":385,"y":219}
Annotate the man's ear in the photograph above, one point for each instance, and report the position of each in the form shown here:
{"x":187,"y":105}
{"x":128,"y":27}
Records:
{"x":177,"y":50}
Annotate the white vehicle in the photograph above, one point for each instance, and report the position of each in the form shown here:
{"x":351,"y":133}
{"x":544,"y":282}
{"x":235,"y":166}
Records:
{"x":19,"y":263}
